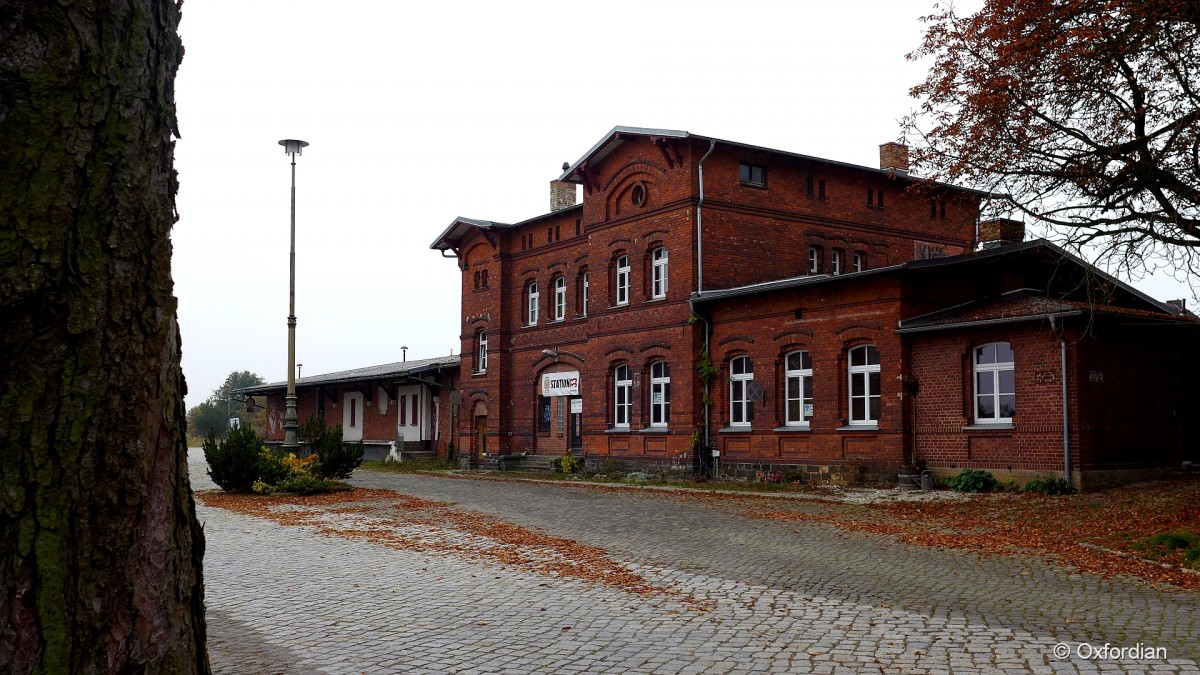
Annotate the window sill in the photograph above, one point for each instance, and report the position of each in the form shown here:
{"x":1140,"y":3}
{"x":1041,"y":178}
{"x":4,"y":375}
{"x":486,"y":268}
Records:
{"x":656,"y":299}
{"x":556,"y":321}
{"x":654,"y":430}
{"x":760,"y":186}
{"x":859,"y":427}
{"x":804,"y":429}
{"x":617,"y":430}
{"x":479,"y":373}
{"x":735,"y":430}
{"x":998,"y":426}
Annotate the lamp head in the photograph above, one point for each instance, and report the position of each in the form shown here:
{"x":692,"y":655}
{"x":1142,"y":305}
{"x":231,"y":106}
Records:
{"x":292,"y":146}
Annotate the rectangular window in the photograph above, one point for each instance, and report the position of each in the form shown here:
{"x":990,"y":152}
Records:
{"x":837,"y":261}
{"x":482,"y":351}
{"x":557,"y":234}
{"x":798,"y":389}
{"x":821,"y":190}
{"x":814,"y":260}
{"x":353,"y":412}
{"x":560,"y":298}
{"x":559,"y":415}
{"x":808,"y":188}
{"x":752,"y":174}
{"x":660,"y":394}
{"x":623,"y":280}
{"x":933,"y":210}
{"x":659,"y":258}
{"x":415,"y":399}
{"x":403,"y":409}
{"x":864,"y":385}
{"x":860,"y":261}
{"x":622,"y":397}
{"x":543,"y":414}
{"x":584,"y":304}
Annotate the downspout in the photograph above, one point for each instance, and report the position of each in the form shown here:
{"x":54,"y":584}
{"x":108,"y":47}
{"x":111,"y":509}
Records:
{"x":1062,"y":342}
{"x":712,"y":144}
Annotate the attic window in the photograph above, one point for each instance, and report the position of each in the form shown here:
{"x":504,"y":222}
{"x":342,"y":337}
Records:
{"x":638,"y":195}
{"x":752,"y":174}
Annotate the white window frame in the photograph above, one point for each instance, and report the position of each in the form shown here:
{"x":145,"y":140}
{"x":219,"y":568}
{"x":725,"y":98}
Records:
{"x":863,"y":371}
{"x":481,"y":352}
{"x":859,"y":261}
{"x":993,"y":372}
{"x":802,"y":377}
{"x":560,"y":298}
{"x":659,"y":263}
{"x":837,"y":261}
{"x":660,"y":384}
{"x":534,"y":298}
{"x":740,"y":404}
{"x":814,"y":260}
{"x":623,"y":280}
{"x":622,"y":396}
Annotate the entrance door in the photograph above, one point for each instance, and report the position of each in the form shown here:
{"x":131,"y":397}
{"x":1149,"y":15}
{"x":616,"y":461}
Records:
{"x":480,"y":436}
{"x":576,"y":435}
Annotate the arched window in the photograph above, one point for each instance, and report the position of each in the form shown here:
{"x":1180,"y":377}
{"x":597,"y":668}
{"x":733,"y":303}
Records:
{"x":797,"y":394}
{"x":741,"y":408}
{"x":560,"y":298}
{"x":622,"y":397}
{"x":660,"y":394}
{"x":659,"y":273}
{"x":622,"y":280}
{"x":995,"y":384}
{"x":864,"y":385}
{"x":533,"y":296}
{"x":481,"y":352}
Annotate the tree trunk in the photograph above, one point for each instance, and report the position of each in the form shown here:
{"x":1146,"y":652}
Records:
{"x":100,"y":550}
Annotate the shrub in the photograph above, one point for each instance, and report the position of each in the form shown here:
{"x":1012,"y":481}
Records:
{"x":972,"y":480}
{"x":233,"y":463}
{"x":1165,"y":542}
{"x":612,"y":467}
{"x":1049,"y":486}
{"x":335,"y":458}
{"x":569,"y":463}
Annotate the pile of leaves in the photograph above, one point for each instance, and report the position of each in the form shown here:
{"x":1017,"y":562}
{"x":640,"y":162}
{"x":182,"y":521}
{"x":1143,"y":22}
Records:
{"x":1112,"y":532}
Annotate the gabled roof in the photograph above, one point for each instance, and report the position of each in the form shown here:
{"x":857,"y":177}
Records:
{"x":386,"y":371}
{"x":619,"y":134}
{"x":1018,"y":307}
{"x":453,"y":234}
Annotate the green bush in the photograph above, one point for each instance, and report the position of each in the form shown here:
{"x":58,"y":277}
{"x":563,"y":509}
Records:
{"x":335,"y":459}
{"x":1049,"y":486}
{"x":1192,"y":556}
{"x":972,"y":480}
{"x":271,"y":469}
{"x":1165,"y":542}
{"x":569,"y":463}
{"x":233,"y":463}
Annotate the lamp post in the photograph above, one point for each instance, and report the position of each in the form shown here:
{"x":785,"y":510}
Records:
{"x":290,"y":422}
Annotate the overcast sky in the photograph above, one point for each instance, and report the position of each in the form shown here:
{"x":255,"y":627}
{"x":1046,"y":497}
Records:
{"x":421,"y":112}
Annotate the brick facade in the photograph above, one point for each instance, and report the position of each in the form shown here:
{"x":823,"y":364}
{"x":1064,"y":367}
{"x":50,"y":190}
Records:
{"x":745,"y":288}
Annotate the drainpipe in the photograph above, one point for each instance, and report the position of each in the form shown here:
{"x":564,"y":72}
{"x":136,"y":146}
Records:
{"x":707,"y":437}
{"x":1056,"y":325}
{"x":712,"y":144}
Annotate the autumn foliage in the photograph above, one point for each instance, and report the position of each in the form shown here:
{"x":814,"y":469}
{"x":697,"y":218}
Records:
{"x":1084,"y":114}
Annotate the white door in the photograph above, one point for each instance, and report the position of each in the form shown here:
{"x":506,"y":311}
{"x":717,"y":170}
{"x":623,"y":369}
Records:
{"x":352,"y":416}
{"x":409,"y":406}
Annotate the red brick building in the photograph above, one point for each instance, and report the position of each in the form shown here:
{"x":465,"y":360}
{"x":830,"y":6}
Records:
{"x":794,"y":313}
{"x":409,"y":402}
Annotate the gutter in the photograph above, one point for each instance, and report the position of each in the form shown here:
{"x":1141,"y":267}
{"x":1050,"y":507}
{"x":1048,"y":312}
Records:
{"x":1057,"y":326}
{"x":712,"y":145}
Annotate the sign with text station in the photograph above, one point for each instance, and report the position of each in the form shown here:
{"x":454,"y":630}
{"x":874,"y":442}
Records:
{"x":561,"y":384}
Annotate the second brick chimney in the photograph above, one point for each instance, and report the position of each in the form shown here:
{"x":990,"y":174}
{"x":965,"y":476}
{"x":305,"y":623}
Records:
{"x":893,"y":156}
{"x":1000,"y":232}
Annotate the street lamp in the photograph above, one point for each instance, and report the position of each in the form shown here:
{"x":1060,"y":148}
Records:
{"x":290,"y":422}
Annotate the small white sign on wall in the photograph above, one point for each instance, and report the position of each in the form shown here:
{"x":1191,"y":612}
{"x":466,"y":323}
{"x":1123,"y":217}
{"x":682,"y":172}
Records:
{"x":576,"y":405}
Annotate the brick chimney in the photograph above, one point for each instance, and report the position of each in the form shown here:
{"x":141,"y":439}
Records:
{"x":1001,"y":232}
{"x":893,"y":156}
{"x":562,"y":195}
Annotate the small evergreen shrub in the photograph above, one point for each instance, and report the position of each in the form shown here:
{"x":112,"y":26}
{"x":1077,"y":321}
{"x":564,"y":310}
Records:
{"x":335,"y":458}
{"x":1049,"y":486}
{"x":233,"y":463}
{"x":972,"y":480}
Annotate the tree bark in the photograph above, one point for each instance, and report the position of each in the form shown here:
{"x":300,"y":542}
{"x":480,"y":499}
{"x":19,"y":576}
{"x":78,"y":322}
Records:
{"x":100,"y":550}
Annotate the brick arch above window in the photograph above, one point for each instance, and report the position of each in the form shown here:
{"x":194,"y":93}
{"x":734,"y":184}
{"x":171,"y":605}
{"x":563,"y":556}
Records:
{"x":735,"y":338}
{"x":793,"y":337}
{"x":860,"y":333}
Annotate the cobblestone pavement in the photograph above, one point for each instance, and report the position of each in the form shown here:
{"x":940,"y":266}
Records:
{"x":797,"y":597}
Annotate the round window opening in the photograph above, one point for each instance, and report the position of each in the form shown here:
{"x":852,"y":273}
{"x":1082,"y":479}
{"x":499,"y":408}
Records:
{"x":638,"y":195}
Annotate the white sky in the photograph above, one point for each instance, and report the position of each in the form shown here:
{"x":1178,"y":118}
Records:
{"x":421,"y":112}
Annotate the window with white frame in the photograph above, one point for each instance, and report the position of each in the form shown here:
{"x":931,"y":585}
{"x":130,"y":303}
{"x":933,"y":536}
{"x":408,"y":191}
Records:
{"x":814,"y":260}
{"x":623,"y":280}
{"x":622,"y":397}
{"x":481,"y":352}
{"x":837,"y":261}
{"x":533,"y":298}
{"x":864,"y":385}
{"x":741,"y":408}
{"x":660,"y":394}
{"x":797,"y":393}
{"x":860,"y":261}
{"x":995,"y":384}
{"x":659,"y":276}
{"x":560,"y":298}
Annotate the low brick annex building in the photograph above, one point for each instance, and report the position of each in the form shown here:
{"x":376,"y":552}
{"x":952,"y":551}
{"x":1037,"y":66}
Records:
{"x":711,"y":302}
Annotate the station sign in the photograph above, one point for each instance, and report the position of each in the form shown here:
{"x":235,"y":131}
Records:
{"x":561,"y":384}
